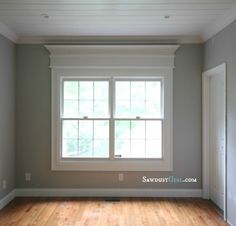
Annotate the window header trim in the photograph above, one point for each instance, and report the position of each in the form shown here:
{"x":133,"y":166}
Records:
{"x":118,"y":56}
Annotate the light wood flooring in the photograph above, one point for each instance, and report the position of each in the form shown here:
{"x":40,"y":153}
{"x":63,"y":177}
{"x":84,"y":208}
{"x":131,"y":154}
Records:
{"x":98,"y":212}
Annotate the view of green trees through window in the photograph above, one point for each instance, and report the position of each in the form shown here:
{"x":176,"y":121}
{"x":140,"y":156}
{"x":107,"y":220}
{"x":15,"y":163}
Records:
{"x":136,"y":119}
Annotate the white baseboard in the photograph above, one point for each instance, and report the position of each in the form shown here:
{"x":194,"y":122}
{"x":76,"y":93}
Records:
{"x":43,"y":192}
{"x":5,"y":200}
{"x":228,"y":221}
{"x":92,"y":192}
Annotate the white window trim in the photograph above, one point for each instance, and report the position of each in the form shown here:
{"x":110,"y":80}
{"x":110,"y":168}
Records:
{"x":64,"y":65}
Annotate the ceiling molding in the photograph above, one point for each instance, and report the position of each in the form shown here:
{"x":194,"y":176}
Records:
{"x":111,"y":40}
{"x":6,"y":32}
{"x":219,"y":24}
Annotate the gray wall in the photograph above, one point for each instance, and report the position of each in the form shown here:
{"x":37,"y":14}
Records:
{"x":33,"y":111}
{"x":217,"y":50}
{"x":7,"y":115}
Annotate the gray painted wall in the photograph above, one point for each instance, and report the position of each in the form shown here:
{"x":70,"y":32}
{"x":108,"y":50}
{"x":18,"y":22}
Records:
{"x":219,"y":49}
{"x":7,"y":115}
{"x":33,"y":112}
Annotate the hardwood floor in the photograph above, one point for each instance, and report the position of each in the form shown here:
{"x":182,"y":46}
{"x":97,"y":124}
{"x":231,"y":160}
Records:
{"x":98,"y":212}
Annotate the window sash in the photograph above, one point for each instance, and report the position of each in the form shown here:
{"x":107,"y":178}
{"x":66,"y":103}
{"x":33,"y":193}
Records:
{"x":136,"y":79}
{"x":145,"y":139}
{"x":63,"y":80}
{"x":78,"y":138}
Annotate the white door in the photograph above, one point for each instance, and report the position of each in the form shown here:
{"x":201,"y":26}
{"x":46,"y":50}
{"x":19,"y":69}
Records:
{"x":217,"y":137}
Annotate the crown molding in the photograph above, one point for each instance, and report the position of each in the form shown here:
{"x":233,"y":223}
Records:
{"x":121,"y":56}
{"x":218,"y":25}
{"x":111,"y":40}
{"x":6,"y":32}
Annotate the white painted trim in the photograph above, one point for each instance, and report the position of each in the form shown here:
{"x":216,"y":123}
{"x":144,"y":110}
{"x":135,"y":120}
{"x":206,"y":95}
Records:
{"x":112,"y":56}
{"x":112,"y":61}
{"x":7,"y":199}
{"x":6,"y":32}
{"x":113,"y":40}
{"x":205,"y":132}
{"x":103,"y":192}
{"x":219,"y":24}
{"x":228,"y":221}
{"x":164,"y":164}
{"x":144,"y":50}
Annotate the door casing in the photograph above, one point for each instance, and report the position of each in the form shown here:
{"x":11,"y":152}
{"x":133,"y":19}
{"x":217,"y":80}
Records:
{"x":206,"y":76}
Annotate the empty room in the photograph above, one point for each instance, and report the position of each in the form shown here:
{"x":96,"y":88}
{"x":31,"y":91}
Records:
{"x":117,"y":112}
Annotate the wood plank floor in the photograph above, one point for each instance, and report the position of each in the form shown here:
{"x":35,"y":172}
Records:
{"x":98,"y":212}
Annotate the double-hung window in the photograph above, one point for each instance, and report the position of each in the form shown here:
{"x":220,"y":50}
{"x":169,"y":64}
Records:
{"x":85,"y":118}
{"x":112,"y":118}
{"x":112,"y":123}
{"x":138,"y":118}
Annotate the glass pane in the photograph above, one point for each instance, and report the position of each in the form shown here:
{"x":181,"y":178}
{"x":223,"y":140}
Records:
{"x":122,"y":129}
{"x":153,"y":149}
{"x":86,"y":90}
{"x":122,"y":148}
{"x":153,"y":109}
{"x":70,"y":90}
{"x":123,"y":90}
{"x":85,"y":108}
{"x":101,"y":90}
{"x":137,"y":129}
{"x":153,"y":129}
{"x":138,"y":90}
{"x":86,"y":148}
{"x":70,"y":129}
{"x":86,"y":129}
{"x":122,"y":108}
{"x":137,"y":108}
{"x":70,"y":108}
{"x":69,"y":148}
{"x":101,"y":148}
{"x":100,"y":108}
{"x":138,"y":148}
{"x":101,"y":129}
{"x":153,"y":90}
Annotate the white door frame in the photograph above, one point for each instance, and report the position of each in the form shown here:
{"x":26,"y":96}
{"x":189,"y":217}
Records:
{"x":206,"y":133}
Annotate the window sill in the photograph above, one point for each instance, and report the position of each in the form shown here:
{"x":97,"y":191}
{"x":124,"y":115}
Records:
{"x":113,"y":165}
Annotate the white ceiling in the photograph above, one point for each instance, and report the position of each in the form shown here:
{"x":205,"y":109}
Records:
{"x":189,"y":20}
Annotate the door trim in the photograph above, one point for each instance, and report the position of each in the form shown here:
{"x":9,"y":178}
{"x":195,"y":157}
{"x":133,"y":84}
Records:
{"x":206,"y":133}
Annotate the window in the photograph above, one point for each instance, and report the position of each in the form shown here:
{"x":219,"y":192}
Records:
{"x":138,"y":115}
{"x":112,"y":122}
{"x":112,"y":107}
{"x":86,"y":118}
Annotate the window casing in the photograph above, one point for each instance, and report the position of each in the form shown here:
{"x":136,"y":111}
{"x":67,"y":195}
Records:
{"x":112,"y":159}
{"x":110,"y":63}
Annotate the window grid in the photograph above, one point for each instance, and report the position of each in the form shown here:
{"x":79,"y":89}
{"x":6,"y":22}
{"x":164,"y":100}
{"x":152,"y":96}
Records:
{"x":115,"y":100}
{"x":145,"y":138}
